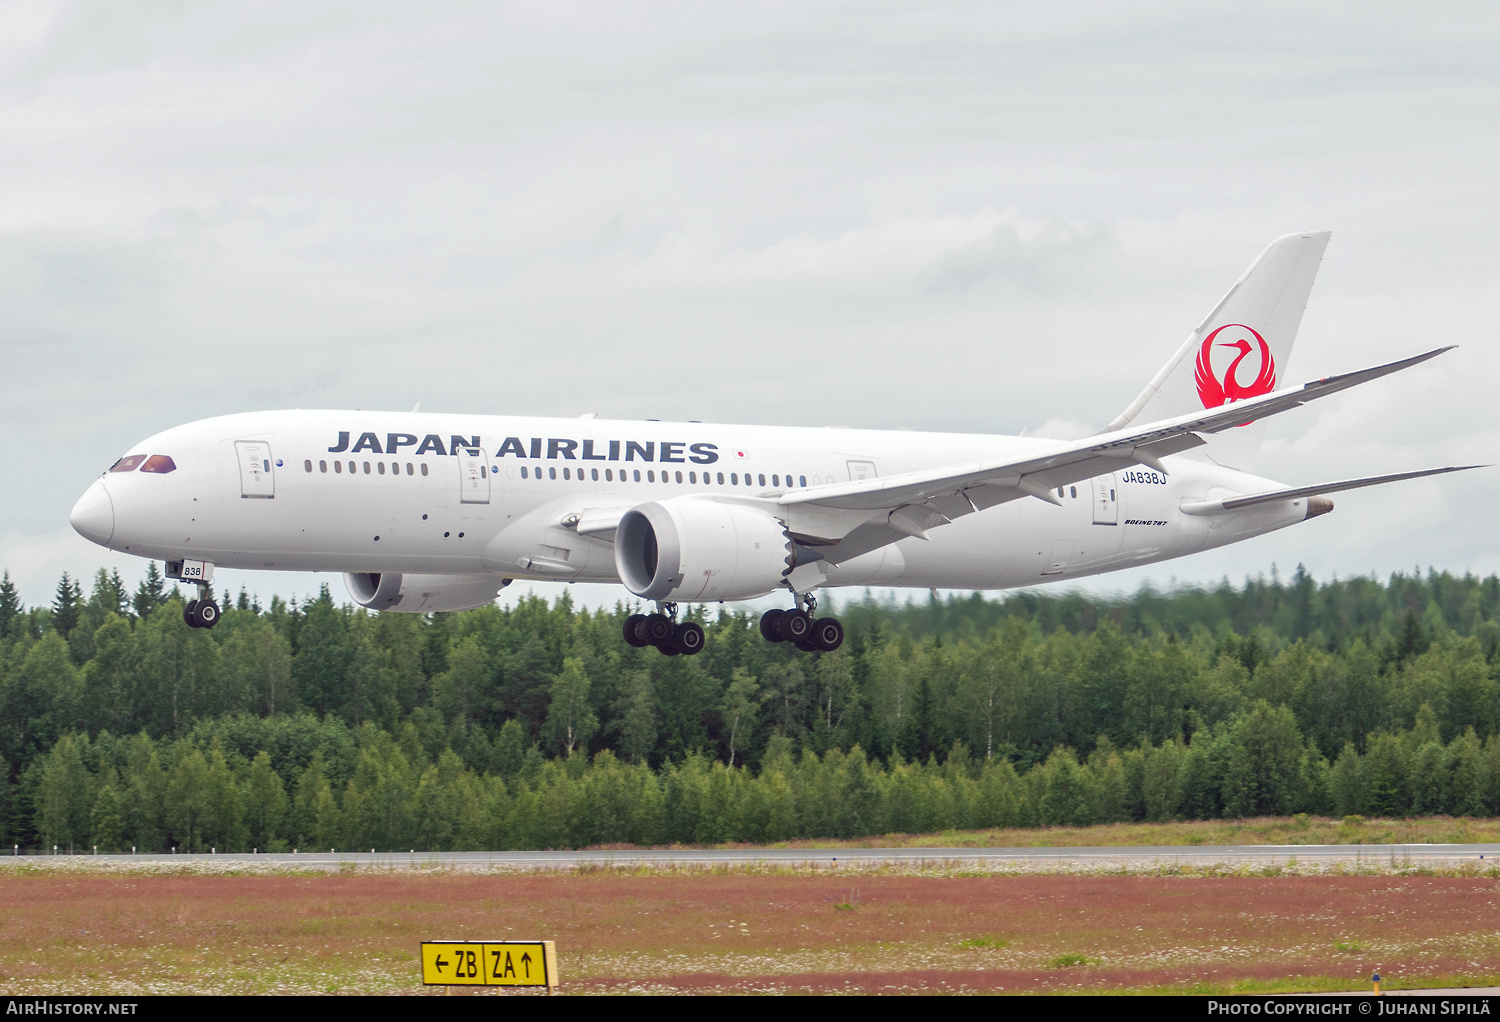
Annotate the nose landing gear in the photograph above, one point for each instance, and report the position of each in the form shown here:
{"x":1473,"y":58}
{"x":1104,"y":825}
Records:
{"x":201,"y":612}
{"x":662,"y":630}
{"x":800,"y":628}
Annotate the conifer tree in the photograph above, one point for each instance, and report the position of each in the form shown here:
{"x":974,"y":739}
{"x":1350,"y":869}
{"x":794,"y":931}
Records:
{"x":107,"y":820}
{"x":10,"y":604}
{"x":510,"y":750}
{"x":151,"y":593}
{"x":265,"y":804}
{"x":65,"y":605}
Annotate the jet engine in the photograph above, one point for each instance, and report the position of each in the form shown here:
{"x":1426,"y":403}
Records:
{"x":699,"y":550}
{"x":423,"y":594}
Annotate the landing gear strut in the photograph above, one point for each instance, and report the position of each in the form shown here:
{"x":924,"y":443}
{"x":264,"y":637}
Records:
{"x":800,"y":628}
{"x":662,"y":630}
{"x":201,"y":612}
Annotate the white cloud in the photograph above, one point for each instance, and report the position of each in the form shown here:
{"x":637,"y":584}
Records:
{"x":943,"y":216}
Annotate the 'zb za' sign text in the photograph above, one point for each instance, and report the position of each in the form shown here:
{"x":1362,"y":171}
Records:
{"x":502,"y":963}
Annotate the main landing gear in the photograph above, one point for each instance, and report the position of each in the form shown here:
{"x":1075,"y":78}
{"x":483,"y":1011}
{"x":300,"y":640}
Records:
{"x":801,"y":629}
{"x":671,"y":637}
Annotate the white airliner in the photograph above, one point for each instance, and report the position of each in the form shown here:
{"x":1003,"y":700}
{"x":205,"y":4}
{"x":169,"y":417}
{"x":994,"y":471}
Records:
{"x":429,"y":512}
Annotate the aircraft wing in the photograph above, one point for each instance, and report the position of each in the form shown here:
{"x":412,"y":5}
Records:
{"x":848,"y":519}
{"x":1214,"y":507}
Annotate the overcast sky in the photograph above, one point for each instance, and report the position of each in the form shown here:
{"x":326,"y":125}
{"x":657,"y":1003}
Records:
{"x":973,"y":216}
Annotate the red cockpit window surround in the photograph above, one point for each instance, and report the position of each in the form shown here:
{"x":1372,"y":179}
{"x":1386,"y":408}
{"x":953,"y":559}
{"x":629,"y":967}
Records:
{"x":129,"y":463}
{"x":160,"y":464}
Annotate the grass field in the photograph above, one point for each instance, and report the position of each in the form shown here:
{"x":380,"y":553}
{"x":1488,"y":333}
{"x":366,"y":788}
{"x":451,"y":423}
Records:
{"x":1266,"y":830}
{"x":745,"y":930}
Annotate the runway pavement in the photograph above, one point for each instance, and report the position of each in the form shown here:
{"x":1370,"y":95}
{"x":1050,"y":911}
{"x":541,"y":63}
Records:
{"x":1446,"y":856}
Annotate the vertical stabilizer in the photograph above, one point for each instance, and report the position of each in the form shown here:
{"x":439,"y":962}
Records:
{"x":1240,"y":350}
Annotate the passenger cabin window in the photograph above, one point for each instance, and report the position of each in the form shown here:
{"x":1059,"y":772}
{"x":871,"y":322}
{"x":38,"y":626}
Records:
{"x":424,"y":468}
{"x":721,"y":478}
{"x":802,"y":480}
{"x":161,"y":464}
{"x":129,"y":464}
{"x":380,"y":466}
{"x":523,"y":472}
{"x":637,"y":475}
{"x":338,"y":466}
{"x":307,"y":464}
{"x":323,"y":466}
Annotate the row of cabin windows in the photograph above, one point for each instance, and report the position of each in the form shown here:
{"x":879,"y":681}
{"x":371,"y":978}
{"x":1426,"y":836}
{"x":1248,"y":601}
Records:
{"x":567,"y":473}
{"x":666,"y":477}
{"x":378,"y":467}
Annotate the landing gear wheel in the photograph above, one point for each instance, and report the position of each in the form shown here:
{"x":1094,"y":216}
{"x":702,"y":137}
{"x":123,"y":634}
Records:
{"x":668,"y":650}
{"x":688,"y":638}
{"x":207,"y":614}
{"x":190,"y":614}
{"x":770,"y":625}
{"x":657,"y":630}
{"x":828,"y":634}
{"x":632,"y":631}
{"x":795,"y":625}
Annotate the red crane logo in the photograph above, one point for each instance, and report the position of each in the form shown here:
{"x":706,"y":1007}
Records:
{"x":1215,"y":390}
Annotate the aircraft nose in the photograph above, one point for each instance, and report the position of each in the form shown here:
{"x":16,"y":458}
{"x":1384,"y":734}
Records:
{"x":93,"y":516}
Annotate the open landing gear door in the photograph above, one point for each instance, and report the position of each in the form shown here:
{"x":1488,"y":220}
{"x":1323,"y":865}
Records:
{"x":257,"y":478}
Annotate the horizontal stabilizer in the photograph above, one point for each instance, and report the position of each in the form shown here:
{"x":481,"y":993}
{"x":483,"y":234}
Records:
{"x":1218,"y":507}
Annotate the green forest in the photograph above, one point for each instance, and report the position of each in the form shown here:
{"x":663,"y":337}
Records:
{"x":320,"y":726}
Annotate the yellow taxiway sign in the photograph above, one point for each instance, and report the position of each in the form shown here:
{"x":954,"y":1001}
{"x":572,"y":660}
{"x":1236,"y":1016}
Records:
{"x":493,"y":963}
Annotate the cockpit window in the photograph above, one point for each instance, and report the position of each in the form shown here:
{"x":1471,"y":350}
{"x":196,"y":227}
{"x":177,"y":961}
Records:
{"x":128,"y":464}
{"x":159,"y":463}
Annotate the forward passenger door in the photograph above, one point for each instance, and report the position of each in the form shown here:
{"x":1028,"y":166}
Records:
{"x":257,"y":477}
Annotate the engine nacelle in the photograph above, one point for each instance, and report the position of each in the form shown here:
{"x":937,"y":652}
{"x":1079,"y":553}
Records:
{"x":423,"y":594}
{"x":700,"y":550}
